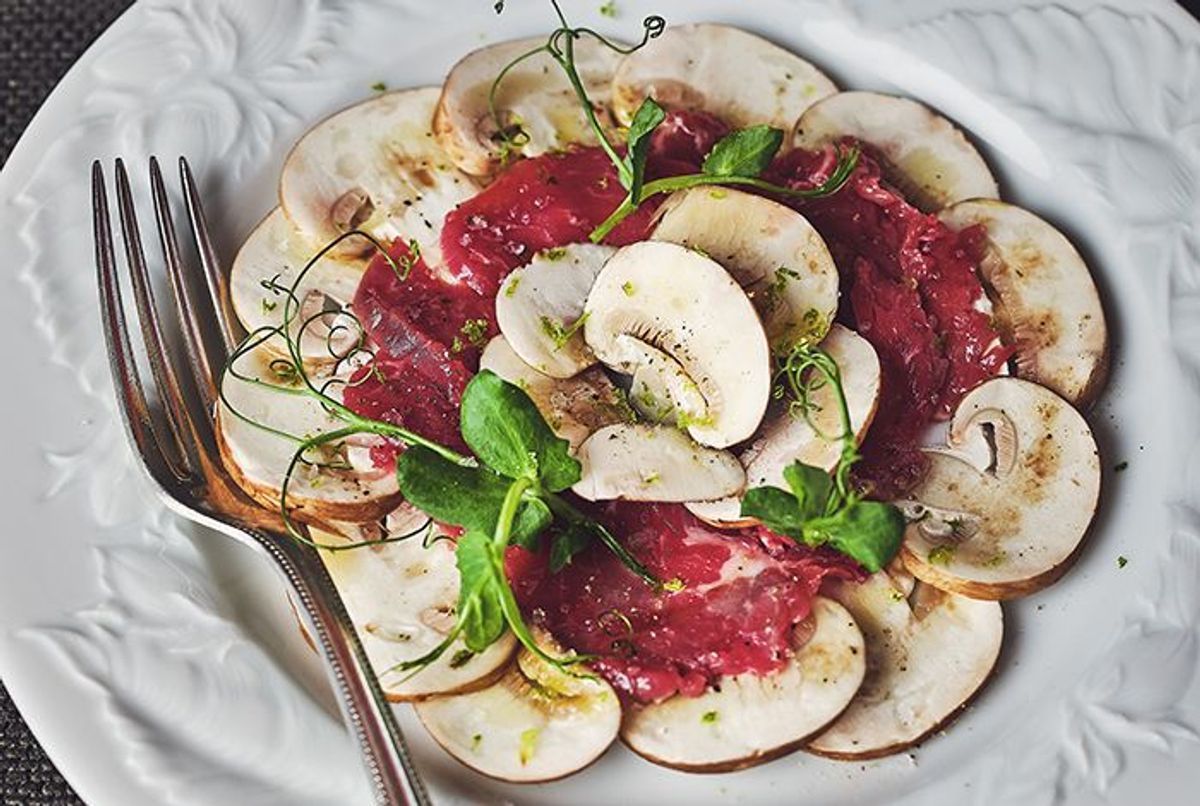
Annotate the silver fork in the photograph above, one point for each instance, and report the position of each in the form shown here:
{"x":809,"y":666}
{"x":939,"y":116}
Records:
{"x":178,"y":451}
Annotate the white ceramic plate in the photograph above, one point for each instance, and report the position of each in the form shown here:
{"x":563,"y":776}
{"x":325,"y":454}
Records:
{"x":160,"y":665}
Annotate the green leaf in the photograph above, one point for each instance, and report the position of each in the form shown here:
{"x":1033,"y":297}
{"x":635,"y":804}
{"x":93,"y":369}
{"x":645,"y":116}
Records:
{"x":567,"y":543}
{"x":812,"y":487}
{"x":532,"y":519}
{"x":744,"y":152}
{"x":507,"y":432}
{"x":867,"y":531}
{"x":647,"y":118}
{"x":470,"y":497}
{"x":777,"y":509}
{"x":480,"y":609}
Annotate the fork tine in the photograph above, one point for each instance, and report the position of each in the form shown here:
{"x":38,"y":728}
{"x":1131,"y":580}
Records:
{"x":204,"y":369}
{"x":182,"y":460}
{"x":217,"y":291}
{"x":130,"y":395}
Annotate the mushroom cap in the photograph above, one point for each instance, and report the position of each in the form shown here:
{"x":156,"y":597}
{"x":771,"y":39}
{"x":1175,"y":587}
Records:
{"x":374,"y":167}
{"x":534,"y":724}
{"x":258,"y":459}
{"x":402,"y":597}
{"x":725,"y":71}
{"x":534,"y":94}
{"x":772,"y":251}
{"x":686,"y":306}
{"x":538,"y":304}
{"x":654,"y":463}
{"x":750,"y":718}
{"x":785,"y":437}
{"x":928,"y":653}
{"x":1046,"y":303}
{"x":1011,"y":524}
{"x":574,"y":407}
{"x":926,"y":155}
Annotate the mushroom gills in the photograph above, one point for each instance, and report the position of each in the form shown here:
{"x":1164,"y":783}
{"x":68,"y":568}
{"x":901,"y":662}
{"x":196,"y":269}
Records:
{"x":1046,"y":303}
{"x":574,"y":407}
{"x":923,"y":153}
{"x":536,"y":723}
{"x":539,"y":306}
{"x":402,"y":598}
{"x":654,"y":463}
{"x":749,"y":719}
{"x":928,"y":652}
{"x":686,"y":306}
{"x":772,"y":251}
{"x":1010,"y":523}
{"x":725,"y":71}
{"x":537,"y":106}
{"x":374,"y":167}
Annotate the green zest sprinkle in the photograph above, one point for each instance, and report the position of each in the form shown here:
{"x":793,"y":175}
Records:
{"x":1121,"y":466}
{"x":511,"y":288}
{"x":652,"y":478}
{"x":709,"y":717}
{"x":528,"y":745}
{"x":558,"y":332}
{"x":941,"y":555}
{"x":476,"y":740}
{"x":379,"y":86}
{"x":461,"y":658}
{"x":1122,"y":561}
{"x":609,"y":9}
{"x":996,"y":559}
{"x":268,"y":306}
{"x":475,"y":331}
{"x":673,"y":585}
{"x":718,"y":193}
{"x":628,"y":288}
{"x":555,"y":253}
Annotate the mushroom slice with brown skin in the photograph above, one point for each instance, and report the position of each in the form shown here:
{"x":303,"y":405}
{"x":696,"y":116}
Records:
{"x":402,"y":597}
{"x":654,"y":463}
{"x":770,"y":249}
{"x":331,"y":485}
{"x":274,"y":255}
{"x":537,"y":723}
{"x":539,"y":306}
{"x":534,"y":101}
{"x":787,"y":436}
{"x":1046,"y":303}
{"x":725,"y":71}
{"x":685,"y":305}
{"x":749,"y":718}
{"x":928,"y":652}
{"x":574,"y":407}
{"x":923,"y":153}
{"x":374,"y":167}
{"x":1010,"y":525}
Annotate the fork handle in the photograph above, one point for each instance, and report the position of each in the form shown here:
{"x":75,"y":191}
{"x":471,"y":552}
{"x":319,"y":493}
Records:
{"x":368,"y":714}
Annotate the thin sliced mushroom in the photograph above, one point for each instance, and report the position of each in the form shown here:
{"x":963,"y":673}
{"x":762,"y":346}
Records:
{"x":654,"y":463}
{"x":330,"y":485}
{"x":574,"y":407}
{"x":1011,"y":524}
{"x":536,"y":723}
{"x":750,"y":719}
{"x":1046,"y":303}
{"x":787,"y":436}
{"x":534,"y":101}
{"x":725,"y":71}
{"x":770,"y":249}
{"x":924,"y":154}
{"x":402,"y":597}
{"x":374,"y":167}
{"x":928,"y":653}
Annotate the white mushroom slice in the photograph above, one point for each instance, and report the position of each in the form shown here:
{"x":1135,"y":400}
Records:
{"x":1012,"y":525}
{"x":924,"y":154}
{"x":539,"y":305}
{"x":654,"y":463}
{"x":535,"y":724}
{"x":687,"y":306}
{"x":535,"y":103}
{"x":374,"y":167}
{"x":786,"y":436}
{"x":770,"y":249}
{"x":750,"y":719}
{"x":1046,"y":303}
{"x":274,"y":254}
{"x":927,"y":655}
{"x":660,"y":390}
{"x":574,"y":407}
{"x":728,"y":72}
{"x":327,"y":488}
{"x":402,"y":597}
